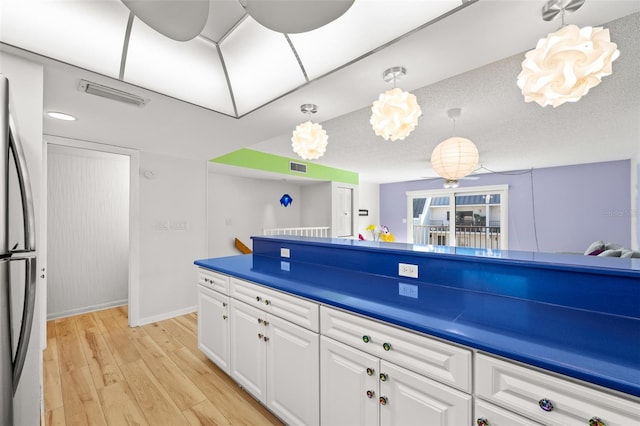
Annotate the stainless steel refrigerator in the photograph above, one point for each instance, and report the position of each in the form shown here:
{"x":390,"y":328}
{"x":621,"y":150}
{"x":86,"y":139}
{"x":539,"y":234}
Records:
{"x":14,"y":335}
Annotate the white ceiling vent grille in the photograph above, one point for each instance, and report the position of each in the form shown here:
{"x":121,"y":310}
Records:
{"x":297,"y":167}
{"x":111,"y":93}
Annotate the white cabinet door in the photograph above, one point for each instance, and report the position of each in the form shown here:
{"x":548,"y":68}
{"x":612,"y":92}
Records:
{"x":348,"y":385}
{"x":406,"y":398}
{"x":248,"y":351}
{"x":293,"y":374}
{"x":213,"y":326}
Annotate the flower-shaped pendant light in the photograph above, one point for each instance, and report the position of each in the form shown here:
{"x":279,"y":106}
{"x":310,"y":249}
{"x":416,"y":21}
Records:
{"x":454,"y":158}
{"x":567,"y":63}
{"x":395,"y":114}
{"x":309,"y":139}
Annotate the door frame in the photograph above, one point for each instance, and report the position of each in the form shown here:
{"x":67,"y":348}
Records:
{"x":134,"y":212}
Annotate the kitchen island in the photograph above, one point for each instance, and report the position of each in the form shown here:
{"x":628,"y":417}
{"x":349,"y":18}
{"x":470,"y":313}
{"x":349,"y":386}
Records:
{"x":574,"y":316}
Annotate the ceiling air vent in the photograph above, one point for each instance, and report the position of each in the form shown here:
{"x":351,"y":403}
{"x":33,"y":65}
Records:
{"x":297,"y":167}
{"x":111,"y":93}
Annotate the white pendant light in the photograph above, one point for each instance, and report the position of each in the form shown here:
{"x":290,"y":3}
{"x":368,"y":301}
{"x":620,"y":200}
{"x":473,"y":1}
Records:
{"x":179,"y":20}
{"x":456,"y":157}
{"x":567,"y":63}
{"x":395,"y":114}
{"x":292,"y":17}
{"x":309,"y":140}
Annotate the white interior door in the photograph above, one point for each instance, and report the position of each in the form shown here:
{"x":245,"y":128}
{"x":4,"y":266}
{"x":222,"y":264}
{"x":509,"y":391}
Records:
{"x":344,"y":210}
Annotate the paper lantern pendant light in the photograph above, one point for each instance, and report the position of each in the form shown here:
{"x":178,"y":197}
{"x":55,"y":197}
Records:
{"x":567,"y":63}
{"x":455,"y":157}
{"x":309,"y":140}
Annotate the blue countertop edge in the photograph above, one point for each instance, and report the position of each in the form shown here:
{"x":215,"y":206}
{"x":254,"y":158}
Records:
{"x":599,"y":372}
{"x":559,"y":261}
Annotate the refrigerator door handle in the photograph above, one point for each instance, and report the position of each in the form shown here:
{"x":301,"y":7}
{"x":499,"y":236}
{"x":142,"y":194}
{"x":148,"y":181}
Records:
{"x":27,"y":319}
{"x":25,"y":187}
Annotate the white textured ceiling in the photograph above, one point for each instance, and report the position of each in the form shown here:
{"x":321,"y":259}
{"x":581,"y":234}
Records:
{"x":469,"y":60}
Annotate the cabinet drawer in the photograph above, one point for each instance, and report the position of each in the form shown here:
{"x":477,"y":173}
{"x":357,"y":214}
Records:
{"x":299,"y":311}
{"x":213,"y":280}
{"x":521,"y":389}
{"x":489,"y":415}
{"x":438,"y":360}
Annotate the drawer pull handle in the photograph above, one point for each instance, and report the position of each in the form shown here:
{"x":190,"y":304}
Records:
{"x":224,"y":317}
{"x":370,"y":394}
{"x":383,"y":377}
{"x":545,"y":404}
{"x":386,"y":346}
{"x":366,"y":338}
{"x":482,"y":422}
{"x":266,"y":339}
{"x":383,"y":400}
{"x":260,"y":335}
{"x":258,"y":298}
{"x":267,"y":302}
{"x":369,"y":371}
{"x":596,"y":421}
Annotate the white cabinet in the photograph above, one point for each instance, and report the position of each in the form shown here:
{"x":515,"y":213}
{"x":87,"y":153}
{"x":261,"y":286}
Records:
{"x":274,"y":359}
{"x":213,"y":326}
{"x":490,"y":415}
{"x":213,"y":317}
{"x":373,"y":373}
{"x":549,"y":399}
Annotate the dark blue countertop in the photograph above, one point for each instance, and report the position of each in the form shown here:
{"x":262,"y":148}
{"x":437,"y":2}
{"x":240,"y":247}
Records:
{"x":597,"y":347}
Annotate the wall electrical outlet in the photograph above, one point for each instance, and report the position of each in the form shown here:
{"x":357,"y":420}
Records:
{"x":408,"y":270}
{"x":284,"y":252}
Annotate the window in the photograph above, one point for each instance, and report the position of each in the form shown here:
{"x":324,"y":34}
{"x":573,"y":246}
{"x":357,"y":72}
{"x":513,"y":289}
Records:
{"x":479,"y":217}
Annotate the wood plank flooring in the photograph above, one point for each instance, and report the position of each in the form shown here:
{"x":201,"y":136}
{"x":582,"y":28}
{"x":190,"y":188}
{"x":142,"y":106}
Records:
{"x":98,"y":371}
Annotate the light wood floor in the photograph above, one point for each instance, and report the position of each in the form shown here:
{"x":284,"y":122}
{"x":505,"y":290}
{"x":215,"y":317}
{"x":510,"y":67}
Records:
{"x":98,"y":371}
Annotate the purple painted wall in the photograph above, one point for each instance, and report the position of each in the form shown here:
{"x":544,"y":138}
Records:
{"x":574,"y":205}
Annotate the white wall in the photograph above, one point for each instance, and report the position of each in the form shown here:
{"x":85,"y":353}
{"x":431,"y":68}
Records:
{"x":369,"y":199}
{"x":315,"y":203}
{"x":172,"y":234}
{"x":88,"y":230}
{"x":26,"y":88}
{"x":240,"y":207}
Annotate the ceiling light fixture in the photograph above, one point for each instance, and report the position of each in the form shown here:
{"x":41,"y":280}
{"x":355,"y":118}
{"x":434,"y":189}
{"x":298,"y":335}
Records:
{"x":309,"y":139}
{"x":456,"y":157}
{"x":177,"y":19}
{"x":395,"y":114}
{"x":111,"y":93}
{"x":567,"y":63}
{"x":292,"y":17}
{"x":61,"y":116}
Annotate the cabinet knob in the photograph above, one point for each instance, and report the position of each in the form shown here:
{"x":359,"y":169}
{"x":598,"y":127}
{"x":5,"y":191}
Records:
{"x":224,"y":317}
{"x":545,"y":404}
{"x":42,"y":276}
{"x":260,"y":335}
{"x":369,"y":371}
{"x":259,"y":320}
{"x":224,"y":304}
{"x":383,"y":400}
{"x":258,"y":298}
{"x":366,"y":338}
{"x":386,"y":346}
{"x":267,"y":302}
{"x":482,"y":422}
{"x":265,"y":322}
{"x":266,"y":339}
{"x":596,"y":421}
{"x":383,"y":377}
{"x":370,"y":394}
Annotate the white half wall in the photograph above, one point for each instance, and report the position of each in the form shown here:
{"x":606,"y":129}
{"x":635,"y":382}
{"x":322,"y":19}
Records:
{"x":240,"y":207}
{"x":172,"y":234}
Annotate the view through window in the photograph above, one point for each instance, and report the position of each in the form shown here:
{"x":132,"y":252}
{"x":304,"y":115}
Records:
{"x":460,"y":217}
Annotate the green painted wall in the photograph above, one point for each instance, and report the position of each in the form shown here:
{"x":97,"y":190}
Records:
{"x":274,"y":163}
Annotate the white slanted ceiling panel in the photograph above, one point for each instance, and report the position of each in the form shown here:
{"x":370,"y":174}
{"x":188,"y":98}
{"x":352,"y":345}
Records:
{"x":88,"y":34}
{"x":261,"y":65}
{"x":189,"y":70}
{"x":367,"y":25}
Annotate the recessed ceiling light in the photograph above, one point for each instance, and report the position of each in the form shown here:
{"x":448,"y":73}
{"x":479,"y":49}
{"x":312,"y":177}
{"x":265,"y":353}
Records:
{"x":61,"y":116}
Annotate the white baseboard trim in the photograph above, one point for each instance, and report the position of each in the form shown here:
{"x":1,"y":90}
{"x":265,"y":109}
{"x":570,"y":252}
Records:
{"x":86,"y":309}
{"x":161,"y":317}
